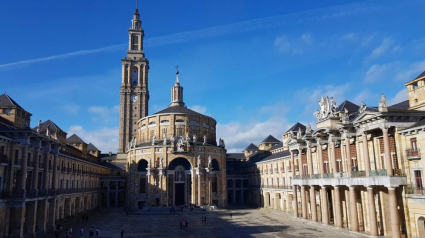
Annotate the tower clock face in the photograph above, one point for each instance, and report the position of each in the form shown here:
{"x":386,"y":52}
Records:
{"x":133,"y":98}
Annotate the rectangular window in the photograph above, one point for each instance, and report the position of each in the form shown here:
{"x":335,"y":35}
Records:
{"x":415,"y":85}
{"x":179,"y":132}
{"x":418,"y":178}
{"x":414,"y":146}
{"x":164,"y":131}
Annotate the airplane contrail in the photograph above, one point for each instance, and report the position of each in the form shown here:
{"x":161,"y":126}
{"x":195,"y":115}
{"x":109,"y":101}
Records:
{"x":234,"y":28}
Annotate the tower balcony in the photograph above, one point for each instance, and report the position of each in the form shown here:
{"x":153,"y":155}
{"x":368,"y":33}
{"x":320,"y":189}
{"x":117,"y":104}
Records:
{"x":413,"y":154}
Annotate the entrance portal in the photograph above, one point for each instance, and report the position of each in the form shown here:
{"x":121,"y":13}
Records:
{"x":179,"y":193}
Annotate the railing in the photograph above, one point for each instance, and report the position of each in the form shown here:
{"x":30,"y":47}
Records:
{"x":381,"y":172}
{"x":399,"y":172}
{"x":341,"y":175}
{"x":413,"y":154}
{"x":270,"y":186}
{"x":328,"y":175}
{"x":281,"y":170}
{"x":306,"y":176}
{"x":316,"y":176}
{"x":296,"y":177}
{"x":415,"y":190}
{"x":358,"y":174}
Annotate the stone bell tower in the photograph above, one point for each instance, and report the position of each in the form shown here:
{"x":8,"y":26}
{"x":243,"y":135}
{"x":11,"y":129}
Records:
{"x":134,"y":84}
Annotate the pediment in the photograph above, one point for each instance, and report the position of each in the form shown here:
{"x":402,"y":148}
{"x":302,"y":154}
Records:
{"x":364,"y":116}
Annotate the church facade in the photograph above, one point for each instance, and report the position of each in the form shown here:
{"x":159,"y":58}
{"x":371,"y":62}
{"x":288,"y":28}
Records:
{"x":172,"y":157}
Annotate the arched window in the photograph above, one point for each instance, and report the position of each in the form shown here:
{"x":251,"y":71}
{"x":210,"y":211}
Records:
{"x":142,"y":166}
{"x":134,"y":76}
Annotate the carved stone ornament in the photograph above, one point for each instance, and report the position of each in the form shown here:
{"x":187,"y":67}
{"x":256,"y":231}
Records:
{"x":308,"y":129}
{"x":345,"y":117}
{"x":180,"y":146}
{"x":199,"y":161}
{"x":153,"y":140}
{"x":38,"y":126}
{"x":362,"y":107}
{"x":194,"y":138}
{"x":327,"y":108}
{"x":299,"y":133}
{"x":205,"y":139}
{"x":161,"y":161}
{"x":383,"y":105}
{"x":209,"y":161}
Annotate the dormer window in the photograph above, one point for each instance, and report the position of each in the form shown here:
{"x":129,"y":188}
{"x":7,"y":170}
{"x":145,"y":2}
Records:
{"x":415,"y":85}
{"x":7,"y":110}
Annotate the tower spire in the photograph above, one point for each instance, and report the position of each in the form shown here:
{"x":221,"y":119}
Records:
{"x":177,"y":92}
{"x":177,"y":74}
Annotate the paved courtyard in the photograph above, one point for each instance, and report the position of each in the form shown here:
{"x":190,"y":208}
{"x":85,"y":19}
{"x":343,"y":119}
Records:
{"x":245,"y":223}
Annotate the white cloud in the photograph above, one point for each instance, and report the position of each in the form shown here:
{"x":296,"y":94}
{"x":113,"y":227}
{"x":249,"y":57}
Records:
{"x":378,"y":72}
{"x":350,"y":37}
{"x":410,"y":72}
{"x":310,"y":97}
{"x":295,"y":46}
{"x":199,"y":108}
{"x":386,"y":44}
{"x":239,"y":135}
{"x":105,"y":139}
{"x":399,"y":97}
{"x":363,"y":96}
{"x":105,"y":114}
{"x":71,"y":109}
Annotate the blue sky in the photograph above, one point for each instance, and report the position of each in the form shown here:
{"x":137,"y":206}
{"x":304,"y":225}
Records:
{"x":257,"y":67}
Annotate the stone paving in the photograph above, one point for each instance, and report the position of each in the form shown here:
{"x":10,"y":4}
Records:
{"x":245,"y":223}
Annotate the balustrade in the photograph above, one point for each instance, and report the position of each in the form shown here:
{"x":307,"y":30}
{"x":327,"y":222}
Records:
{"x":381,"y":172}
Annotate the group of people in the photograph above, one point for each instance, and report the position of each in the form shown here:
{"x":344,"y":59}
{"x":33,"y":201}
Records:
{"x":204,"y":219}
{"x":184,"y":224}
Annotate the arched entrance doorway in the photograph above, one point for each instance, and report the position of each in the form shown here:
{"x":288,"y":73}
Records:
{"x":142,"y":166}
{"x":179,"y":182}
{"x":421,"y":226}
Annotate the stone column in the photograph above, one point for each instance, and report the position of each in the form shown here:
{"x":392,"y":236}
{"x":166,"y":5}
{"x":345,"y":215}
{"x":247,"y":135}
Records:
{"x":242,"y":198}
{"x":324,"y":205}
{"x":338,"y":207}
{"x":234,"y":191}
{"x":24,"y":164}
{"x":295,"y":200}
{"x":209,"y":176}
{"x":354,"y":220}
{"x":309,"y":159}
{"x":333,"y":155}
{"x":395,"y":218}
{"x":30,"y":215}
{"x":313,"y":203}
{"x":372,"y":212}
{"x":46,"y":170}
{"x":300,"y":163}
{"x":303,"y":202}
{"x":52,"y":214}
{"x":292,"y":162}
{"x":55,"y":170}
{"x":123,"y":74}
{"x":319,"y":156}
{"x":116,"y":194}
{"x":387,"y":154}
{"x":108,"y":202}
{"x":36,"y":168}
{"x":42,"y":216}
{"x":348,"y":154}
{"x":366,"y":153}
{"x":200,"y":188}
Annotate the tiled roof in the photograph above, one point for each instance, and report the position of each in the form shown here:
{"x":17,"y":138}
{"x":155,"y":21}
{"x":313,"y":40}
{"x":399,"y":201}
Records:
{"x":420,"y":75}
{"x":251,"y":147}
{"x":280,"y":145}
{"x":237,"y":156}
{"x":52,"y":126}
{"x":91,"y":147}
{"x":5,"y":100}
{"x":178,"y":109}
{"x":417,"y":124}
{"x":401,"y":105}
{"x":74,"y":139}
{"x":270,"y":139}
{"x":351,"y":107}
{"x":295,"y":127}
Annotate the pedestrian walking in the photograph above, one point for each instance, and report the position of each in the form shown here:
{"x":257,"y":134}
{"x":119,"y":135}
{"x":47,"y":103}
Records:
{"x":122,"y":233}
{"x":181,"y":225}
{"x":231,"y":216}
{"x":97,"y":232}
{"x":81,"y":232}
{"x":186,"y":224}
{"x":205,"y":219}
